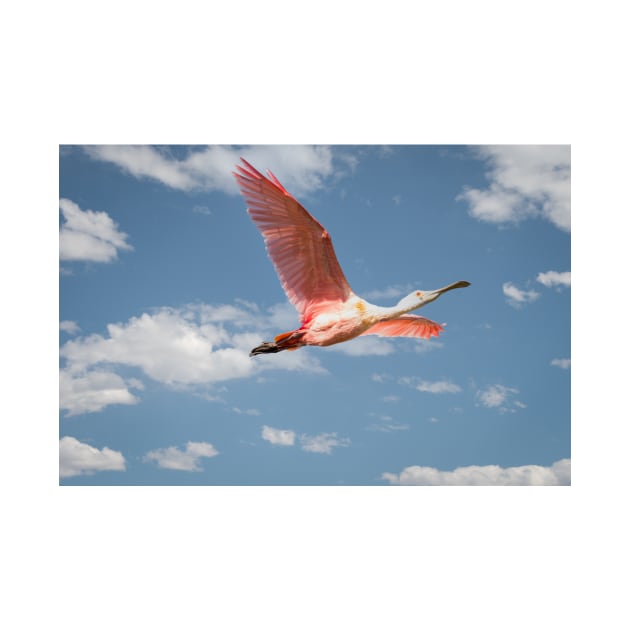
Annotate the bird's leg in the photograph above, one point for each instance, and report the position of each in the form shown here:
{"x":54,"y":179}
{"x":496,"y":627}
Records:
{"x":286,"y":341}
{"x":265,"y":347}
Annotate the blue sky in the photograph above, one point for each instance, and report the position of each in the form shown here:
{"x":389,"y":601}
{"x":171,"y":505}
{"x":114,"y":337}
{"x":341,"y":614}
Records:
{"x":165,"y":286}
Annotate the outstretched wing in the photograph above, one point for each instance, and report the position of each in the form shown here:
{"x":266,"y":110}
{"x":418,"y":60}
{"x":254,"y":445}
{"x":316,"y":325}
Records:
{"x":298,"y":245}
{"x":406,"y":326}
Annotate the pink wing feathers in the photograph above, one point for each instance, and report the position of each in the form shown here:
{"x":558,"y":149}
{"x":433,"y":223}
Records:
{"x":298,"y":245}
{"x":406,"y":326}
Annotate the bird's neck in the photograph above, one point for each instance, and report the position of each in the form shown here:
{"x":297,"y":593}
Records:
{"x":391,"y":312}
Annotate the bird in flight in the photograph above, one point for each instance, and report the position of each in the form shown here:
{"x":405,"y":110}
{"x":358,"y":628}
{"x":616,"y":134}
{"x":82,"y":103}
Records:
{"x":302,"y":253}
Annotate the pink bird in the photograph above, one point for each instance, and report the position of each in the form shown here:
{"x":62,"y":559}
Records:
{"x":303,"y":255}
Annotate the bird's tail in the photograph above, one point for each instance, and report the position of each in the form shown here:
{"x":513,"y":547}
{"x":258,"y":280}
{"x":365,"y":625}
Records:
{"x":286,"y":341}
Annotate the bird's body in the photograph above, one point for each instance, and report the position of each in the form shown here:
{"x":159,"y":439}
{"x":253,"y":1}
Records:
{"x":302,"y":253}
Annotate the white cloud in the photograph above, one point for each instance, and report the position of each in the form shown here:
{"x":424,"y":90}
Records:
{"x":247,"y":412}
{"x":381,"y":378}
{"x":431,"y":387}
{"x":301,"y":169}
{"x":517,"y":297}
{"x":565,"y":364}
{"x":176,"y":459}
{"x":193,"y":345}
{"x":524,"y":181}
{"x":88,"y":392}
{"x":500,"y":397}
{"x":89,"y":235}
{"x":282,"y":437}
{"x":555,"y":278}
{"x":365,"y":346}
{"x":78,"y":458}
{"x":322,"y":443}
{"x":390,"y":292}
{"x":70,"y":327}
{"x":558,"y":474}
{"x":196,"y":345}
{"x":387,"y":424}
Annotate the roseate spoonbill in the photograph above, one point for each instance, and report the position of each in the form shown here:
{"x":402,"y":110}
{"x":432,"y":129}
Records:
{"x":302,"y":253}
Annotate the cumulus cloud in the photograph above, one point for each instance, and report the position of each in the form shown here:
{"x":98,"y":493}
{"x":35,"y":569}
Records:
{"x":430,"y":387}
{"x":555,"y":278}
{"x":88,"y":235}
{"x":322,"y":443}
{"x":188,"y":459}
{"x":524,"y":181}
{"x":282,"y":437}
{"x":565,"y":364}
{"x":499,"y":397}
{"x":78,"y":458}
{"x":517,"y":297}
{"x":192,"y":346}
{"x":92,"y":391}
{"x":301,"y":169}
{"x":558,"y":474}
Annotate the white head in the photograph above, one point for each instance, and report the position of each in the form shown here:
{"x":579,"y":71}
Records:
{"x":418,"y":299}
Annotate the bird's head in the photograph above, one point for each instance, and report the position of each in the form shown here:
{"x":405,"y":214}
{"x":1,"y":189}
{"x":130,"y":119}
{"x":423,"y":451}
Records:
{"x":417,"y":299}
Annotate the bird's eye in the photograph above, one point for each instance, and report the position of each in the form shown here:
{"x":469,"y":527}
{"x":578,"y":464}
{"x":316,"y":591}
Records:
{"x":418,"y":293}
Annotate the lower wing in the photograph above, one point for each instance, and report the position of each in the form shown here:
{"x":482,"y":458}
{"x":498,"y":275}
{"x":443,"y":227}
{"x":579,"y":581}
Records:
{"x":406,"y":326}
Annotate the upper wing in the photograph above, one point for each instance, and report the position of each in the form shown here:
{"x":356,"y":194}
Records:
{"x":406,"y":326}
{"x":299,"y":246}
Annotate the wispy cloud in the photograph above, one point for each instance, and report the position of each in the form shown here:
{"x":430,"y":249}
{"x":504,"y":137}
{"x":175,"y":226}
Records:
{"x":387,"y":424}
{"x":78,"y":458}
{"x":431,"y":387}
{"x":246,"y":412}
{"x":322,"y":443}
{"x":390,"y":292}
{"x":565,"y":364}
{"x":555,"y":278}
{"x":302,"y":169}
{"x":282,"y":437}
{"x":524,"y":181}
{"x":88,"y":235}
{"x":188,"y":459}
{"x":499,"y":397}
{"x":558,"y":474}
{"x":382,"y":378}
{"x":70,"y":327}
{"x":518,"y":297}
{"x":365,"y":346}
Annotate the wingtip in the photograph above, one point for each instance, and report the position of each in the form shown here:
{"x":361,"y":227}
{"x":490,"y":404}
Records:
{"x":248,"y":170}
